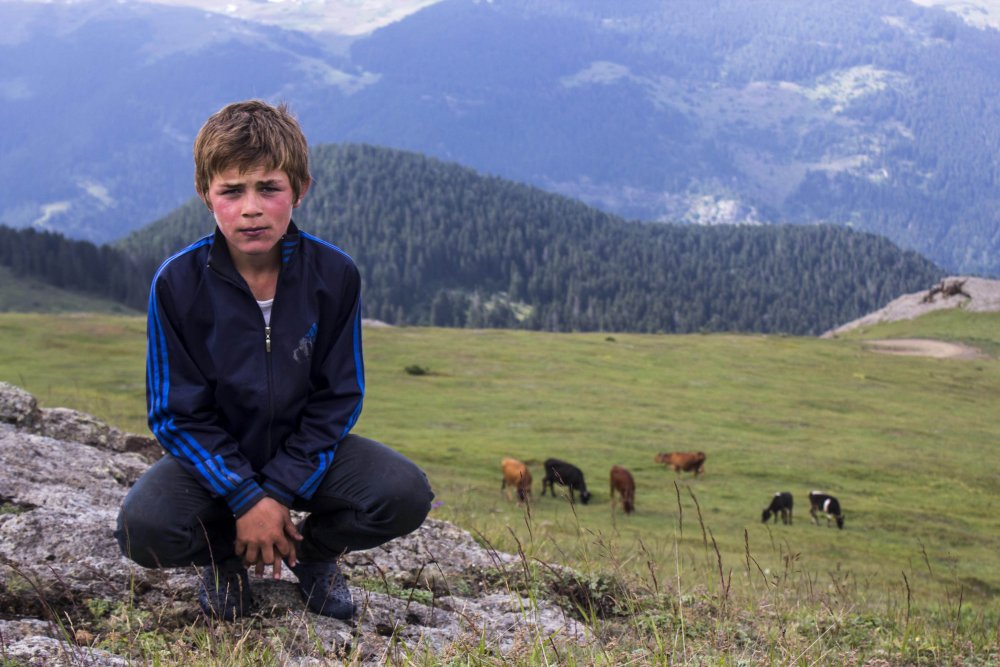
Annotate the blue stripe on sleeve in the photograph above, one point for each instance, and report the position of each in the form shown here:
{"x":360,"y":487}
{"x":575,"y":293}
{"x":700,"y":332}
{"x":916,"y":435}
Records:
{"x":359,"y":367}
{"x":178,"y":442}
{"x":282,"y":495}
{"x":239,"y":499}
{"x":311,"y":484}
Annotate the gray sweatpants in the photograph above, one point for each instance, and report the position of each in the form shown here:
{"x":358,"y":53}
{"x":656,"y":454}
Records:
{"x":370,"y":495}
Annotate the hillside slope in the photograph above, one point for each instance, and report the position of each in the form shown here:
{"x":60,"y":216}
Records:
{"x":439,"y":244}
{"x":762,"y":407}
{"x":31,"y":295}
{"x":881,"y":115}
{"x":970,"y":293}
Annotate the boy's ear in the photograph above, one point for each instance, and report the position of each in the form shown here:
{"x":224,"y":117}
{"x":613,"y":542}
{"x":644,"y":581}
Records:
{"x":204,"y":200}
{"x":302,"y":195}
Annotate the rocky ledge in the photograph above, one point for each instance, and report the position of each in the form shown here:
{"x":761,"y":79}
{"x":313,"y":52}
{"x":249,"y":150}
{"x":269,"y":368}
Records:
{"x":63,"y":475}
{"x":979,"y":295}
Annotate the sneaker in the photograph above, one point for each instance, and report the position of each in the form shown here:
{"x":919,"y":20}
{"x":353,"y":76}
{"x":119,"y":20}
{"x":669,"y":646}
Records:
{"x":324,"y":589}
{"x":224,"y":591}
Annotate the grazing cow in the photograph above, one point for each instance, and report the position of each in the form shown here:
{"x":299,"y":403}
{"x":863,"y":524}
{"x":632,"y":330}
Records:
{"x":781,"y":504}
{"x":516,"y":476}
{"x":686,"y":461}
{"x":565,"y":474}
{"x":624,"y":484}
{"x":828,"y":505}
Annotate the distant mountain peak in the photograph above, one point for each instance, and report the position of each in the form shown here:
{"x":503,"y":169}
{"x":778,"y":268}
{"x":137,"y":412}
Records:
{"x":978,"y":13}
{"x":341,"y":17}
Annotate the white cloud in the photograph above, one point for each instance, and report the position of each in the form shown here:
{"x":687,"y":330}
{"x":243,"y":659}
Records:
{"x":600,"y":72}
{"x":98,"y":192}
{"x":331,"y":76}
{"x":49,"y":211}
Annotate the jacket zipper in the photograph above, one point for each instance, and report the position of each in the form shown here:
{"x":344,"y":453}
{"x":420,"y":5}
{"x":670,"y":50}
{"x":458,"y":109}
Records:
{"x":270,"y":384}
{"x":267,"y":350}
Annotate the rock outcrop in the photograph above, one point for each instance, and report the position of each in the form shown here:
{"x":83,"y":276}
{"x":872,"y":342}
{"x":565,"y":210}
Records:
{"x":980,"y":295}
{"x":63,"y":475}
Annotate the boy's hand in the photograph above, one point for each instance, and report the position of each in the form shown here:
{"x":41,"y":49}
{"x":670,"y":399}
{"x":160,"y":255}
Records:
{"x":265,"y":535}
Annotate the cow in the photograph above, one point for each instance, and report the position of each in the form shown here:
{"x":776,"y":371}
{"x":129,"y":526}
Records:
{"x":565,"y":474}
{"x":624,"y":484}
{"x":781,"y":504}
{"x":686,"y":461}
{"x":828,"y":505}
{"x":516,"y":476}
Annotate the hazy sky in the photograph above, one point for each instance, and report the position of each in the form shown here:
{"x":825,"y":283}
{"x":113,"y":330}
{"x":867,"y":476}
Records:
{"x":357,"y":17}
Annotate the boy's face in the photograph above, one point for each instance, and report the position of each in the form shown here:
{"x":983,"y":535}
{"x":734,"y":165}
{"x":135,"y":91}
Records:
{"x":252,"y":208}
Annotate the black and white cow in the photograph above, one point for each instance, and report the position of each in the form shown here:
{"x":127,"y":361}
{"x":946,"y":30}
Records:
{"x":828,"y":505}
{"x":781,"y":504}
{"x":565,"y":474}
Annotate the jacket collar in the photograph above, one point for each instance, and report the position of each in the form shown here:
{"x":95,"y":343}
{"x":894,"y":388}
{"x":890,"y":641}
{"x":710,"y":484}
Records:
{"x":220,"y":260}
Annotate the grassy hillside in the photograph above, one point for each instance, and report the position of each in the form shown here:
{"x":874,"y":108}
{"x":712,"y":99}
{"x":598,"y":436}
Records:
{"x":26,"y":295}
{"x":951,"y":325}
{"x":907,"y":444}
{"x":85,"y":361}
{"x":772,"y":414}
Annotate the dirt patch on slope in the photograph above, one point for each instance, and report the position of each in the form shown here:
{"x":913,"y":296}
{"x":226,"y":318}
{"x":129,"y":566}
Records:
{"x":919,"y":347}
{"x":966,"y":292}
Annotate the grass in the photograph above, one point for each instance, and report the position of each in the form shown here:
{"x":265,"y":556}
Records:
{"x":93,"y":363}
{"x":27,"y":295}
{"x":907,"y":444}
{"x":979,"y":329}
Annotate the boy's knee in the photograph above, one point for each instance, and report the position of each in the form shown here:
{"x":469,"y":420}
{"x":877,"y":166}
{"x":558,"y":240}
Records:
{"x":139,"y":538}
{"x":407,"y":505}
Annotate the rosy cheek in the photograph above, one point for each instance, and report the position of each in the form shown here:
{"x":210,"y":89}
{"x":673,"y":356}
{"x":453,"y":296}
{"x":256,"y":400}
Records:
{"x":278,"y":203}
{"x":223,"y":208}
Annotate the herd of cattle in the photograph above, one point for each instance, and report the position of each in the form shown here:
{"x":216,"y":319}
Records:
{"x":517,"y":477}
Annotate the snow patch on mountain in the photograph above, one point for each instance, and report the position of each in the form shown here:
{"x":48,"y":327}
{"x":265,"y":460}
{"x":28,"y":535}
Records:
{"x":979,"y":13}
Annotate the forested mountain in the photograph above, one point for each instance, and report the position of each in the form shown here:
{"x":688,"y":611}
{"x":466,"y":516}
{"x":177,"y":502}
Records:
{"x":881,"y":115}
{"x":440,"y":244}
{"x":102,"y":271}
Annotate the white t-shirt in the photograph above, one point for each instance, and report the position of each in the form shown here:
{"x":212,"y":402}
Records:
{"x":265,"y":307}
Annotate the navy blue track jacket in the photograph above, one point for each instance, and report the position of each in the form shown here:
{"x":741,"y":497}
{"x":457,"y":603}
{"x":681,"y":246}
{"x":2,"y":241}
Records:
{"x":252,"y":410}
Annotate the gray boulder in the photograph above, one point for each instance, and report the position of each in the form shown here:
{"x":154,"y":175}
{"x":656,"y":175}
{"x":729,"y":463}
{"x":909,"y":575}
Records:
{"x":17,"y":406}
{"x":63,"y":475}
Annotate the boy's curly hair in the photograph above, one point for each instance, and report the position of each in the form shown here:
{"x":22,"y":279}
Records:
{"x":250,"y":134}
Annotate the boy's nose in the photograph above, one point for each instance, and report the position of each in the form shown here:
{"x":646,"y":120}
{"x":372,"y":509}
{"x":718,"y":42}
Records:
{"x":251,"y":205}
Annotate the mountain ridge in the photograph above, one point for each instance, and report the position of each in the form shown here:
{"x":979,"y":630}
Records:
{"x":439,"y":243}
{"x":881,"y":116}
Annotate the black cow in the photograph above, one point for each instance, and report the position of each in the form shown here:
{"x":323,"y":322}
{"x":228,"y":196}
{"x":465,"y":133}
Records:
{"x":828,"y":505}
{"x":565,"y":474}
{"x":781,"y":504}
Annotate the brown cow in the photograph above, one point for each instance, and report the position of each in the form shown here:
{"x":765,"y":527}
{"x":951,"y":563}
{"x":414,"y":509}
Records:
{"x":686,"y":461}
{"x":624,"y":484}
{"x":517,"y":476}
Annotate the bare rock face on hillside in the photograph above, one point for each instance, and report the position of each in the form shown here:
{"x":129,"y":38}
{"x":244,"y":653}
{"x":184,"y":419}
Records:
{"x":969,"y":293}
{"x":63,"y":475}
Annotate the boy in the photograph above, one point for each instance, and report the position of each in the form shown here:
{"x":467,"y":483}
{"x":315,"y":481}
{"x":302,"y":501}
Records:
{"x":254,"y":378}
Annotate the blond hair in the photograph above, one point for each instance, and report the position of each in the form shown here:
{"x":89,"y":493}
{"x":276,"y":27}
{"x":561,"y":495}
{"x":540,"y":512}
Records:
{"x":249,"y":134}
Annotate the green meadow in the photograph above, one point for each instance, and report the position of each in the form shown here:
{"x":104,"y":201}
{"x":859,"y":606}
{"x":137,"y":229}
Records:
{"x":908,"y":444}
